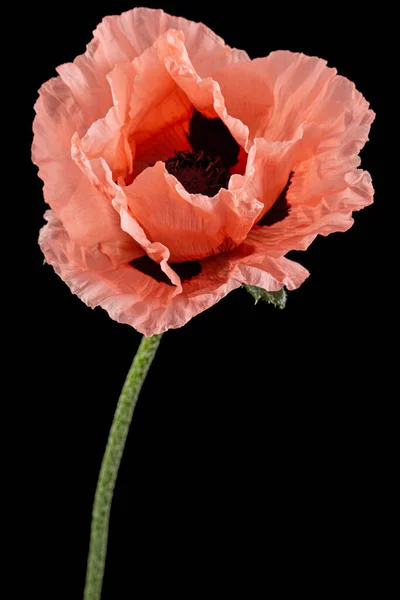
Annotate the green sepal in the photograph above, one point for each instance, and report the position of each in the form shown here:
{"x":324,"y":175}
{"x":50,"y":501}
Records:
{"x":278,"y":299}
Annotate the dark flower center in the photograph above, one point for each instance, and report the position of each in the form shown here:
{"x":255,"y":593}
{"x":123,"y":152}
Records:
{"x":213,"y":138}
{"x":205,"y":168}
{"x":198,"y":173}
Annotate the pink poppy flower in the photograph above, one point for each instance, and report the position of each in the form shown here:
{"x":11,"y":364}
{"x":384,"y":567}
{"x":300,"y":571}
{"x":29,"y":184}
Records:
{"x":177,"y":169}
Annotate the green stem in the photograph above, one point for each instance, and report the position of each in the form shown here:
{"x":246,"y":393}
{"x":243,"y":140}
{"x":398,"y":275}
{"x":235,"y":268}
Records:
{"x":110,"y":465}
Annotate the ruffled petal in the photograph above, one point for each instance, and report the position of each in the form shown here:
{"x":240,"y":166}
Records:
{"x":203,"y":93}
{"x":86,"y":78}
{"x":99,"y":175}
{"x":166,"y":87}
{"x":327,"y":187}
{"x":192,"y":226}
{"x":295,"y":101}
{"x":127,"y":36}
{"x":107,"y":137}
{"x":159,"y":112}
{"x":132,"y":297}
{"x":268,"y":169}
{"x":323,"y":210}
{"x":224,"y":273}
{"x":276,"y":95}
{"x":128,"y":295}
{"x":87,"y":215}
{"x":119,"y":39}
{"x":268,"y":272}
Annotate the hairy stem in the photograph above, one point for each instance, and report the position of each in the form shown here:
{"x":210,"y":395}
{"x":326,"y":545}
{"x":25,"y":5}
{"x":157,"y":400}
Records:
{"x":110,"y":465}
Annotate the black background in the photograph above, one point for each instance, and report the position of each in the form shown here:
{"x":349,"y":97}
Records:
{"x":254,"y":437}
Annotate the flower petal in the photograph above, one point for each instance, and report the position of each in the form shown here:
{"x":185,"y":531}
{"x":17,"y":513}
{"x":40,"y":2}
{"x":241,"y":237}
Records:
{"x":223,"y":273}
{"x":153,"y":99}
{"x":326,"y":187}
{"x":86,"y":214}
{"x":86,"y":79}
{"x":136,"y":30}
{"x":268,"y":272}
{"x":307,"y":103}
{"x":159,"y":112}
{"x":107,"y":137}
{"x":192,"y":226}
{"x":132,"y":297}
{"x":316,"y":212}
{"x":128,"y":295}
{"x":205,"y":94}
{"x":120,"y":39}
{"x":166,"y":87}
{"x":99,"y":174}
{"x":269,"y":165}
{"x":276,"y":95}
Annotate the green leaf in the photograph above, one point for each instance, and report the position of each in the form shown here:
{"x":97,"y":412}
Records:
{"x":44,"y":262}
{"x":278,"y":299}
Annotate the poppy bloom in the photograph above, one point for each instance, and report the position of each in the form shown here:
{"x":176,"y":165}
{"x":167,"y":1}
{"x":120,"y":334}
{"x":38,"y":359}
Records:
{"x":177,"y":169}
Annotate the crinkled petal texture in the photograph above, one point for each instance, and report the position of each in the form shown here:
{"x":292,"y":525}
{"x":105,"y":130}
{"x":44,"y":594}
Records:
{"x":106,"y":126}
